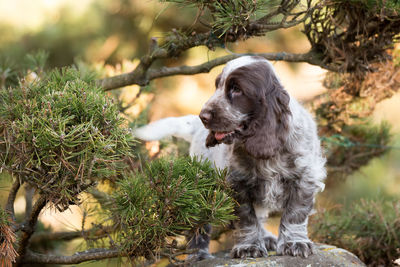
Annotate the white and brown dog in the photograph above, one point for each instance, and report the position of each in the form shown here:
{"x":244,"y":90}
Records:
{"x":269,"y":144}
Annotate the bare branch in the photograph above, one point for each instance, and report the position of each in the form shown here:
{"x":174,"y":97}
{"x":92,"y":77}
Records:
{"x":173,"y":257}
{"x":206,"y":67}
{"x":29,"y":226}
{"x":173,"y":46}
{"x":70,"y":235}
{"x":88,"y":255}
{"x":29,"y":192}
{"x":176,"y":43}
{"x":276,"y":26}
{"x":130,"y":78}
{"x":288,"y":20}
{"x":11,"y":198}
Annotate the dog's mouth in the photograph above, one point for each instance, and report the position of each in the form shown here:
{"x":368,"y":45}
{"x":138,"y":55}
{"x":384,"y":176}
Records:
{"x":221,"y":135}
{"x":227,"y":136}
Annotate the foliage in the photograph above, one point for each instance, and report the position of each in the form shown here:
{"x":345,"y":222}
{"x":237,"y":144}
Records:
{"x":377,"y":5}
{"x":343,"y":115}
{"x":61,"y":134}
{"x":231,"y":20}
{"x":232,"y":16}
{"x":105,"y":30}
{"x":350,"y":98}
{"x":166,"y":198}
{"x":3,"y":217}
{"x":354,"y":147}
{"x":368,"y":228}
{"x":7,"y":238}
{"x":10,"y":71}
{"x":349,"y":35}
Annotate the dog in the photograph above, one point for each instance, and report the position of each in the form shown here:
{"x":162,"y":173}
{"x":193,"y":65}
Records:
{"x":270,"y":145}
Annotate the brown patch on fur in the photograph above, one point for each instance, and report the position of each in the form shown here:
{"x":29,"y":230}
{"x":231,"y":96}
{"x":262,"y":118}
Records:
{"x":267,"y":103}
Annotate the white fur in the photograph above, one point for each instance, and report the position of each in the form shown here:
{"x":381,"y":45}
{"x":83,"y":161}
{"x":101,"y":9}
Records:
{"x":293,"y":233}
{"x":183,"y":127}
{"x":237,"y":63}
{"x":190,"y":129}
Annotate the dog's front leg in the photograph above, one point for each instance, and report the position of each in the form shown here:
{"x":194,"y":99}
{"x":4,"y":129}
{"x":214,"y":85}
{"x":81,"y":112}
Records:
{"x":199,"y":241}
{"x":249,"y":233}
{"x":293,"y":238}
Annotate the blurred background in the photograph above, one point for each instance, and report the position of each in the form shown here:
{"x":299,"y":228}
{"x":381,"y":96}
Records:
{"x":110,"y":36}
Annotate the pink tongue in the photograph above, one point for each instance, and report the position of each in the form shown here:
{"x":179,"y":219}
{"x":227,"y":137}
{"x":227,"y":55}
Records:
{"x":219,"y":136}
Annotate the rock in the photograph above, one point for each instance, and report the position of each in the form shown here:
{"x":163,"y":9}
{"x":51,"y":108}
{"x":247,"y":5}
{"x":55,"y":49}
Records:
{"x":324,"y":255}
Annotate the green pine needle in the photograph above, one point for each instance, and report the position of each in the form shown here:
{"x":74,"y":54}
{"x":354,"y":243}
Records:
{"x":4,"y":219}
{"x":368,"y":228}
{"x":61,"y":133}
{"x":168,"y":197}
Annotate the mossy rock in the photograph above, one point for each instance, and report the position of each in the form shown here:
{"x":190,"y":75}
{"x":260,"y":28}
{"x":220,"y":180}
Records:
{"x":325,"y":255}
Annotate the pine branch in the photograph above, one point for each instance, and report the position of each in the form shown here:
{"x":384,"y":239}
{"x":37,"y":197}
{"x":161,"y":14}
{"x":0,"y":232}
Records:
{"x":177,"y":42}
{"x":206,"y":67}
{"x":29,"y":227}
{"x":131,"y":78}
{"x":29,"y":193}
{"x":88,"y":255}
{"x":70,"y":235}
{"x":11,"y":199}
{"x":173,"y":46}
{"x":287,"y":21}
{"x":276,"y":26}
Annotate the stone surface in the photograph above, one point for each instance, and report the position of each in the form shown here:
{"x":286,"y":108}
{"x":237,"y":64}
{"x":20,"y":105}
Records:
{"x":325,"y":256}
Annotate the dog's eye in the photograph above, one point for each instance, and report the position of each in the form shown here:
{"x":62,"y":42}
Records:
{"x":235,"y":90}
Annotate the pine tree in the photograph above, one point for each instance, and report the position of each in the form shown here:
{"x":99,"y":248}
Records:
{"x":62,"y":135}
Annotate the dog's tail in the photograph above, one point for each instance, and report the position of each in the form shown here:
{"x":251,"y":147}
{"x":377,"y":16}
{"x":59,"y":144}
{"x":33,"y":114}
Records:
{"x":183,"y":127}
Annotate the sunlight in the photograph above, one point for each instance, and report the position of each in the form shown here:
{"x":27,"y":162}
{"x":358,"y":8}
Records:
{"x":33,"y":14}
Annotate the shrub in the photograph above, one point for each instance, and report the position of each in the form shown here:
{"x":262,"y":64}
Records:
{"x":7,"y":239}
{"x":61,"y":134}
{"x":369,"y":228}
{"x":354,"y":147}
{"x":167,"y":198}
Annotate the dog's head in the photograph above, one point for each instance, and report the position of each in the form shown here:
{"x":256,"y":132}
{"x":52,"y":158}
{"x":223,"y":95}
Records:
{"x":249,"y":106}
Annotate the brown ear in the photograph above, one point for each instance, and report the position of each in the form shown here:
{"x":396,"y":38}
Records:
{"x":270,"y":128}
{"x":211,"y":141}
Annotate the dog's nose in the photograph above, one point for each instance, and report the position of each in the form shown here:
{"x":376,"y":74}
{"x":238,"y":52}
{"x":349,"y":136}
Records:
{"x":205,"y":116}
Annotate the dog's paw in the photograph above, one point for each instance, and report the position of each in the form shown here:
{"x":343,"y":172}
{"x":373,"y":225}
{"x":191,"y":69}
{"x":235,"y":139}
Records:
{"x":270,"y":243}
{"x":302,"y":249}
{"x":248,"y":250}
{"x":199,"y":256}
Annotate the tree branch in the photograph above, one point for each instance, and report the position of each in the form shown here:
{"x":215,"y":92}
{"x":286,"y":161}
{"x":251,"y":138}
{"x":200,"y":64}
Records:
{"x":130,"y":78}
{"x":88,"y":255}
{"x":178,"y":42}
{"x":29,"y":193}
{"x":70,"y":235}
{"x":272,"y":27}
{"x":206,"y":67}
{"x":173,"y":46}
{"x":11,"y":199}
{"x":29,"y":226}
{"x":264,"y":25}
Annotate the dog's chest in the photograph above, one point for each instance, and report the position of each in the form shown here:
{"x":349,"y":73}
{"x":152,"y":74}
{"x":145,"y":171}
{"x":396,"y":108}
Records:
{"x":269,"y":188}
{"x":261,"y":180}
{"x":271,"y":195}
